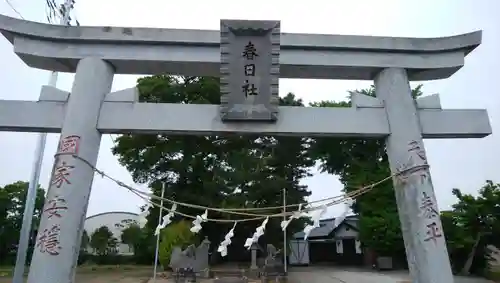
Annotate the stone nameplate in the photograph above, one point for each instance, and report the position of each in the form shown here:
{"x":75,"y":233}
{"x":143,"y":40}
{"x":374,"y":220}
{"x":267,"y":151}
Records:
{"x":249,"y":70}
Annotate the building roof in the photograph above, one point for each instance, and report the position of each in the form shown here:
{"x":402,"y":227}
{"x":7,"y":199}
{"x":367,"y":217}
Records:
{"x":112,"y":212}
{"x":327,"y":226}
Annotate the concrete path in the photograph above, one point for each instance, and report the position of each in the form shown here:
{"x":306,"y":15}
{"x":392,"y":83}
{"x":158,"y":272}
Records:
{"x":335,"y":275}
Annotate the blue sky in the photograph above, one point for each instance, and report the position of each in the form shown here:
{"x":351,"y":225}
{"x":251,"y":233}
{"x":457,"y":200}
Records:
{"x":465,"y":164}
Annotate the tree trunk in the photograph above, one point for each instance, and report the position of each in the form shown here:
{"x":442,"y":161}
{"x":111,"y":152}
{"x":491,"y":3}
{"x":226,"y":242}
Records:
{"x":466,"y":269}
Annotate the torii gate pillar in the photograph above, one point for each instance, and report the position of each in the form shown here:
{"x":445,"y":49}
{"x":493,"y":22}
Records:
{"x":420,"y":222}
{"x":89,"y":112}
{"x":69,"y":190}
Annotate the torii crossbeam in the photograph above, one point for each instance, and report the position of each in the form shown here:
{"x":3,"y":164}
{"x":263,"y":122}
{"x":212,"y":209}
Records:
{"x":97,"y":53}
{"x":121,"y":112}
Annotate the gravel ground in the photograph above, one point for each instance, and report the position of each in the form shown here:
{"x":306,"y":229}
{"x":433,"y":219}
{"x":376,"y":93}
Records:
{"x":336,"y":275}
{"x":105,"y":274}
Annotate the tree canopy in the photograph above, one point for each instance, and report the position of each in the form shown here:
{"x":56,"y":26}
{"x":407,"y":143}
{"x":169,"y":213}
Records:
{"x":12,"y":205}
{"x":359,"y":162}
{"x":84,"y":244}
{"x":472,"y":225}
{"x":228,"y":171}
{"x":103,"y":242}
{"x":131,"y":236}
{"x":251,"y":171}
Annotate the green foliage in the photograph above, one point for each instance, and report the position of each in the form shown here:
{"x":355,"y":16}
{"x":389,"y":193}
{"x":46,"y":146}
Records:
{"x":12,"y":205}
{"x":226,"y":171}
{"x":381,"y":231}
{"x":360,"y":162}
{"x":481,"y":214}
{"x":145,"y":247}
{"x":85,"y":241}
{"x":251,"y":171}
{"x":174,"y":235}
{"x":103,"y":242}
{"x":131,"y":236}
{"x":473,"y":219}
{"x":83,"y":254}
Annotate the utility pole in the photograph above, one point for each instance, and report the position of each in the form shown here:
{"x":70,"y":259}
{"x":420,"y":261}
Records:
{"x":284,"y":232}
{"x":158,"y":236}
{"x":35,"y":177}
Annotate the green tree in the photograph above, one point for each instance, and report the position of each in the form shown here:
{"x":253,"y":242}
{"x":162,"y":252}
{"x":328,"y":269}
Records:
{"x":84,"y":245}
{"x":12,"y":205}
{"x":103,"y":242}
{"x":228,"y":171}
{"x":189,"y":166}
{"x":131,"y":236}
{"x":174,"y":235}
{"x":458,"y":240}
{"x":271,"y":164}
{"x":359,"y":162}
{"x":85,"y":241}
{"x":475,"y":225}
{"x":145,"y":248}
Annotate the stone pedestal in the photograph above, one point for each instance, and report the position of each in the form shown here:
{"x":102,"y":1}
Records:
{"x":253,"y":250}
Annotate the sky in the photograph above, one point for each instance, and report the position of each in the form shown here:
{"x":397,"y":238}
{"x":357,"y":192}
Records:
{"x":457,"y":163}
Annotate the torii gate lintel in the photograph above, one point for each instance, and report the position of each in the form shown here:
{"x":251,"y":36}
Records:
{"x":121,"y":112}
{"x":90,"y":110}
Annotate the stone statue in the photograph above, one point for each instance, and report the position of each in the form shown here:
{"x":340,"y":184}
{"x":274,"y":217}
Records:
{"x":192,"y":258}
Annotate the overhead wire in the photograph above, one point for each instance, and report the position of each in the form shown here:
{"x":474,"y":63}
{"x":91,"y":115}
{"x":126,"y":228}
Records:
{"x":14,"y":8}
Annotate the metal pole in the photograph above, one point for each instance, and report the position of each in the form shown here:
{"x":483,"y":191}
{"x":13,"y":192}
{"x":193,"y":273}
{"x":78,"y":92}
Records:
{"x":158,"y":236}
{"x":34,"y":180}
{"x":284,"y":232}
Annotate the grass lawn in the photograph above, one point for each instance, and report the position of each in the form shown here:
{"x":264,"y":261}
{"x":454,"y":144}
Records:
{"x":98,"y":274}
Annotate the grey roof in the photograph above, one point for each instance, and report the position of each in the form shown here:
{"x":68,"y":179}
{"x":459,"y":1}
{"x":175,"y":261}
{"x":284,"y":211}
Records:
{"x":327,"y":226}
{"x":112,"y":212}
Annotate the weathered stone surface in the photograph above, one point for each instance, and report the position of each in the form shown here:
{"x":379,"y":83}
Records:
{"x":273,"y":270}
{"x":249,"y":70}
{"x":197,"y":52}
{"x":191,"y":258}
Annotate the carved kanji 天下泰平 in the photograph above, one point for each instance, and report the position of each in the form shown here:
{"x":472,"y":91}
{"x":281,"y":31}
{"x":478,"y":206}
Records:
{"x":433,"y":232}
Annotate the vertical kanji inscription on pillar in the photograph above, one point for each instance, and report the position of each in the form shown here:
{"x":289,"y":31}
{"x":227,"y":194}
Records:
{"x":415,"y":165}
{"x":69,"y":145}
{"x":62,"y":173}
{"x":249,"y":70}
{"x":55,"y":207}
{"x":49,"y":240}
{"x":430,"y":212}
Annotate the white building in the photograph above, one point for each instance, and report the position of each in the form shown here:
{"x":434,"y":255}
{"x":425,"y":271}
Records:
{"x":116,"y":222}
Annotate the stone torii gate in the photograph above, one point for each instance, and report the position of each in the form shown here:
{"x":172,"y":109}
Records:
{"x":95,"y":54}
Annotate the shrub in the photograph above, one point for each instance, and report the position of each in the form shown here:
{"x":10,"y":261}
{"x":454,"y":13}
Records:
{"x":174,"y":235}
